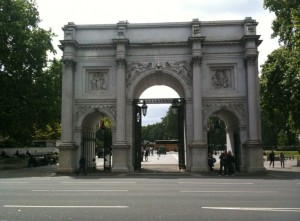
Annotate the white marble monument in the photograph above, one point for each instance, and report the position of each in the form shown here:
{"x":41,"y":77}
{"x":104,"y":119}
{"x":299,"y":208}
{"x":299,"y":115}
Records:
{"x":212,"y":64}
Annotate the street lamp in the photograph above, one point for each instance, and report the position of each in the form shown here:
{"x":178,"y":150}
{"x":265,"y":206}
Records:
{"x":144,"y":108}
{"x":174,"y":106}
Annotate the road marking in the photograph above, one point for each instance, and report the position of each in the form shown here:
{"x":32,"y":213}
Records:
{"x":14,"y":182}
{"x":90,"y":182}
{"x":79,"y":190}
{"x":255,"y":209}
{"x":76,"y":207}
{"x":216,"y":183}
{"x":225,"y":191}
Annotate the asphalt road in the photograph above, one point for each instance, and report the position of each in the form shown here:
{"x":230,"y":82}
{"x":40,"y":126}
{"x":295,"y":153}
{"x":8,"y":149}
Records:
{"x":149,"y":197}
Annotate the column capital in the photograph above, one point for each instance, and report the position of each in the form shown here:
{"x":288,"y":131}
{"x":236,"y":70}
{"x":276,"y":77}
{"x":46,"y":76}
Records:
{"x":197,"y":60}
{"x":69,"y":62}
{"x":121,"y":62}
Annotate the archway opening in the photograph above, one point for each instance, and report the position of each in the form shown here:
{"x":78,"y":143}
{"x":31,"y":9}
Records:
{"x":162,"y":147}
{"x":96,"y":142}
{"x":223,"y":138}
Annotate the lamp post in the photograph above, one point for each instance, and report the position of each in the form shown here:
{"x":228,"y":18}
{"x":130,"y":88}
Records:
{"x":144,"y":108}
{"x":174,"y":106}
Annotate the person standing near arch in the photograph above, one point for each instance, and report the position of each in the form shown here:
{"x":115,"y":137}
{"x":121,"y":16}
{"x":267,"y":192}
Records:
{"x":272,"y":158}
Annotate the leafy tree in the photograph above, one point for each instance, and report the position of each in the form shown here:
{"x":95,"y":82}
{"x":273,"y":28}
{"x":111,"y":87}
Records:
{"x":280,"y":79}
{"x":23,"y":57}
{"x":47,"y":121}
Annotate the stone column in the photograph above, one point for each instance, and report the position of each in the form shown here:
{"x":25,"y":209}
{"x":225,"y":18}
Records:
{"x":253,"y":149}
{"x":121,"y":148}
{"x":198,"y":147}
{"x":253,"y":99}
{"x":67,"y":149}
{"x":68,"y":157}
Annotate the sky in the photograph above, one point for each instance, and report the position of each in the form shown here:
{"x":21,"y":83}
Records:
{"x":55,"y":14}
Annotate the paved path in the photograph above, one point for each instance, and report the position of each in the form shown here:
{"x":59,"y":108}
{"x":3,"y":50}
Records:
{"x":165,"y":163}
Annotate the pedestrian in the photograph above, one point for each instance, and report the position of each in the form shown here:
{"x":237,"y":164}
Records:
{"x":82,"y":165}
{"x":147,"y":154}
{"x":230,"y":163}
{"x":281,"y":159}
{"x":210,"y":161}
{"x":272,"y":158}
{"x":223,"y":163}
{"x":158,"y":153}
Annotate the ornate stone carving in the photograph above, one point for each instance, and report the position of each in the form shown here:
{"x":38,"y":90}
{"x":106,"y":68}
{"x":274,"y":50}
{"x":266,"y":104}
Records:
{"x":221,"y":78}
{"x":196,"y":30}
{"x":135,"y":69}
{"x":98,"y":81}
{"x":233,"y":106}
{"x":83,"y":108}
{"x":182,"y":68}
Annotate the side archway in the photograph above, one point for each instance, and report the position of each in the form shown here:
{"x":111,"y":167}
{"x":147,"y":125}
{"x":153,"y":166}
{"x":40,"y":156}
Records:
{"x":234,"y":117}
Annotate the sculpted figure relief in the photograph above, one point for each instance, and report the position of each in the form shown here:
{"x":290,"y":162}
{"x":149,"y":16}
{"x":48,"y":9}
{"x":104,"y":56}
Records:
{"x":220,"y":79}
{"x":98,"y":82}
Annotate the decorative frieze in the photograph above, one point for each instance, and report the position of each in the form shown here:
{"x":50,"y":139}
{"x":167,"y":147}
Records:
{"x":81,"y":109}
{"x":236,"y":107}
{"x":181,"y":68}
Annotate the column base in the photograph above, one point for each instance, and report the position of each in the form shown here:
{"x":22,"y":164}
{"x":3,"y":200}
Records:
{"x":199,"y":156}
{"x":120,"y":158}
{"x":67,"y":158}
{"x":254,"y":162}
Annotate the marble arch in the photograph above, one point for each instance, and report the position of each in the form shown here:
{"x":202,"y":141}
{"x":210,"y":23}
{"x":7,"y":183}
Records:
{"x":212,"y":64}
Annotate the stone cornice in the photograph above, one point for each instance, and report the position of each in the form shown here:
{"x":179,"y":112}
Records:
{"x":246,"y":38}
{"x":64,"y":43}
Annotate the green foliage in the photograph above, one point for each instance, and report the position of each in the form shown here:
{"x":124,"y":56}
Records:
{"x":165,"y":130}
{"x":280,"y":79}
{"x":23,"y":81}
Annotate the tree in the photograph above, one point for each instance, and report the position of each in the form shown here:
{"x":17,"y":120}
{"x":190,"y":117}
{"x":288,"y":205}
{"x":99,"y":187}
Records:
{"x":23,"y":58}
{"x":48,"y":99}
{"x":280,"y":79}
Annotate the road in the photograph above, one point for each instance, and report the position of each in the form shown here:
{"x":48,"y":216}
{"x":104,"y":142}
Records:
{"x":148,"y":197}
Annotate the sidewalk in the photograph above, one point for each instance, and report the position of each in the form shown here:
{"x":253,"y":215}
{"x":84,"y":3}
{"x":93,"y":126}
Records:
{"x":164,"y":164}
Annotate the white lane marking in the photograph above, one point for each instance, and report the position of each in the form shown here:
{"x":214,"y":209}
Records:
{"x":92,"y":182}
{"x":225,"y":191}
{"x":254,"y":209}
{"x":76,"y":207}
{"x":79,"y":190}
{"x":14,"y":182}
{"x":216,"y":183}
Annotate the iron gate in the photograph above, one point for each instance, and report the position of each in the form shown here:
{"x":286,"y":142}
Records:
{"x":89,"y":148}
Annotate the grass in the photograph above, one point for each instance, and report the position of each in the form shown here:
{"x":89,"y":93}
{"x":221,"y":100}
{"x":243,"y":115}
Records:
{"x":296,"y":154}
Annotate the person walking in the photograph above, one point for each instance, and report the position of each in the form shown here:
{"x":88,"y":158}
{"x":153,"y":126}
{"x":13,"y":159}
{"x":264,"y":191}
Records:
{"x":82,"y":165}
{"x":223,"y":163}
{"x":210,"y":161}
{"x":281,"y":159}
{"x":272,"y":158}
{"x":230,"y":163}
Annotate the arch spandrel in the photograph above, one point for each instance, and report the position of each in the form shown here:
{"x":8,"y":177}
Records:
{"x":233,"y":113}
{"x":93,"y":113}
{"x":176,"y":75}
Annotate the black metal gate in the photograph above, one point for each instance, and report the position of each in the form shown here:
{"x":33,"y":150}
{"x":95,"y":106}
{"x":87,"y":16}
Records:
{"x":89,"y":149}
{"x":181,"y":150}
{"x":137,"y":130}
{"x":236,"y":146}
{"x":179,"y":105}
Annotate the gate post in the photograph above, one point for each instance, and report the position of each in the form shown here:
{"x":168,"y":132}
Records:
{"x":199,"y":157}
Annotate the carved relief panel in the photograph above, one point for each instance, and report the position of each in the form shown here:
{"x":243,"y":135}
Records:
{"x":222,"y":78}
{"x":97,"y":80}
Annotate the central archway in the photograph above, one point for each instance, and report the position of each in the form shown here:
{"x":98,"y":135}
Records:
{"x":172,"y":80}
